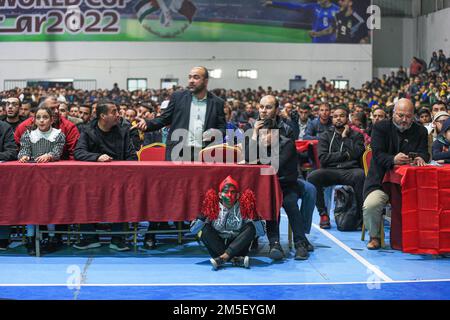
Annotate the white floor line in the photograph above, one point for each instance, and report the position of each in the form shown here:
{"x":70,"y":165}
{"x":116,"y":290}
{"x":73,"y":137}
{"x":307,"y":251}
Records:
{"x":363,"y":261}
{"x":220,"y":284}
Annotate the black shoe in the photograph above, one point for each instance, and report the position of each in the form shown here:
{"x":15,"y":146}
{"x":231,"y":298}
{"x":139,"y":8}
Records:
{"x":88,"y":243}
{"x":150,"y":242}
{"x":255,"y":244}
{"x":243,"y":262}
{"x":309,"y":246}
{"x":301,"y":250}
{"x":52,"y":244}
{"x":217,"y":263}
{"x":119,"y":244}
{"x":4,"y":244}
{"x":276,"y":251}
{"x":31,"y":246}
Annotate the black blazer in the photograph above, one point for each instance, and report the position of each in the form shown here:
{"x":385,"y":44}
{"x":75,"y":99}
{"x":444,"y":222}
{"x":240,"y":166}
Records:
{"x":178,"y":112}
{"x":8,"y":147}
{"x":386,"y":144}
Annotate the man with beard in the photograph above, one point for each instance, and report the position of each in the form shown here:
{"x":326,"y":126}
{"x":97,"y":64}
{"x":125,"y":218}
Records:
{"x":350,"y":27}
{"x":392,"y":142}
{"x":12,"y":117}
{"x":340,"y":151}
{"x":195,"y":110}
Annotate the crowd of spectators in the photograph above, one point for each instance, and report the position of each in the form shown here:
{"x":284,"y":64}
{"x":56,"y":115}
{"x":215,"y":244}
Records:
{"x":308,"y":113}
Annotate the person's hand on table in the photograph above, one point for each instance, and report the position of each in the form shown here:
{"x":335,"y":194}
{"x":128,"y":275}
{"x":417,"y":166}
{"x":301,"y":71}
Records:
{"x":44,"y":158}
{"x":24,"y":159}
{"x":401,"y":158}
{"x":419,"y":162}
{"x":104,"y":158}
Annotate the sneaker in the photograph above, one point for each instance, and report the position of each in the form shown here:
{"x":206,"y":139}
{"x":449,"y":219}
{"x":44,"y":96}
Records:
{"x":325,"y":221}
{"x":217,"y":263}
{"x":301,"y":251}
{"x":4,"y":243}
{"x":276,"y":251}
{"x":119,"y":244}
{"x":89,"y":243}
{"x":150,"y":242}
{"x":309,"y":246}
{"x":243,"y":262}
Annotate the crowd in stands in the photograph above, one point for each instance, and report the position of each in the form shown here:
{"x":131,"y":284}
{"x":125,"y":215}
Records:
{"x":345,"y":121}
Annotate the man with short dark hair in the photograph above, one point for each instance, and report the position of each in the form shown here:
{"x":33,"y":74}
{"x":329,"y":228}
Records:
{"x":319,"y":125}
{"x":340,"y":150}
{"x":196,"y":110}
{"x":85,"y":112}
{"x":103,"y":141}
{"x":304,"y":112}
{"x":392,"y":142}
{"x":25,"y":110}
{"x":13,"y":117}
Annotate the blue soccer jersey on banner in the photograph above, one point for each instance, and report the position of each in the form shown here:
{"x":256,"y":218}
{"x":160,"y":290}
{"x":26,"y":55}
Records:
{"x":324,"y":18}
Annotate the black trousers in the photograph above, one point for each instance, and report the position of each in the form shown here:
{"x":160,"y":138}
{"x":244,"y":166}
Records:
{"x":236,"y":247}
{"x":290,"y":205}
{"x":323,"y":178}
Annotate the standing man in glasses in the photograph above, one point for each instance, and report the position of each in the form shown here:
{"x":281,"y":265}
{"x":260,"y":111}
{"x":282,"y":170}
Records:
{"x":12,"y":109}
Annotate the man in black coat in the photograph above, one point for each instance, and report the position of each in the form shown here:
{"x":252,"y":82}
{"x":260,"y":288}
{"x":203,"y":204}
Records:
{"x":340,"y":151}
{"x":8,"y":152}
{"x":287,"y":175}
{"x":105,"y":140}
{"x":393,"y":142}
{"x":196,"y":111}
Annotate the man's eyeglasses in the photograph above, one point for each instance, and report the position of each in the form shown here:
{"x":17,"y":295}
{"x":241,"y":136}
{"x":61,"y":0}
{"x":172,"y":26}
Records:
{"x":406,"y":116}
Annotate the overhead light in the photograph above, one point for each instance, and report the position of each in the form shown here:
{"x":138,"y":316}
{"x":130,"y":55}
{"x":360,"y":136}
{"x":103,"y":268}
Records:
{"x":249,"y":74}
{"x":215,"y":73}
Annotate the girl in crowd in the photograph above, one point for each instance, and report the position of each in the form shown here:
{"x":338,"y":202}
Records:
{"x":41,"y":143}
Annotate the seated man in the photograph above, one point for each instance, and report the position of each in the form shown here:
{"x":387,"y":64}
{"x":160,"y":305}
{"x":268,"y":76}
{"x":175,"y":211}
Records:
{"x":8,"y":152}
{"x":228,"y":224}
{"x":287,"y":175}
{"x":392,"y":142}
{"x":103,"y":141}
{"x":441,"y":146}
{"x":320,"y":124}
{"x":340,"y":151}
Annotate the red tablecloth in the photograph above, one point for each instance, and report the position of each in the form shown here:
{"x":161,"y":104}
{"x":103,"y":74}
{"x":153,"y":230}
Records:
{"x":304,"y":145}
{"x":68,"y":192}
{"x":421,"y":218}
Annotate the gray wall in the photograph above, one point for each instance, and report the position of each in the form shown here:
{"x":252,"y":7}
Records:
{"x":110,"y":62}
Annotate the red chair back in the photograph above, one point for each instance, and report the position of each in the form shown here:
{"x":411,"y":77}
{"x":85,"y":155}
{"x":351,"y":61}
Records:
{"x":366,"y":159}
{"x":221,"y":153}
{"x":152,"y":152}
